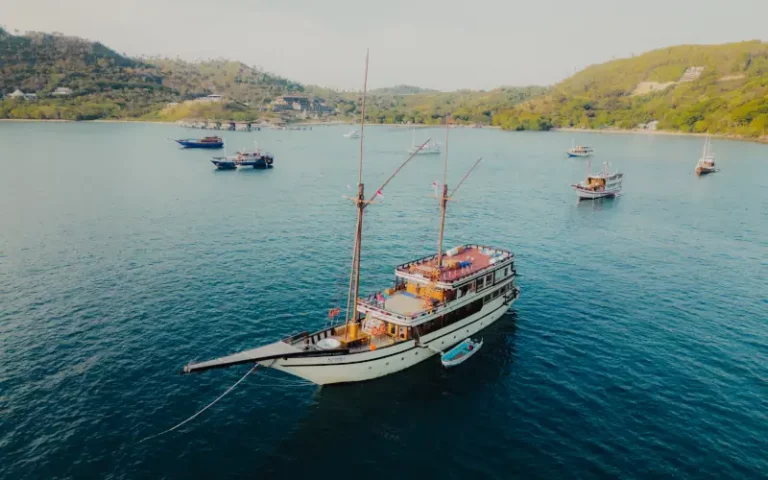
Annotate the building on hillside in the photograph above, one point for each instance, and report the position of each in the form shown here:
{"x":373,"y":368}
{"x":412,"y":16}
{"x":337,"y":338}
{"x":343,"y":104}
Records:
{"x":301,"y":104}
{"x":291,"y":102}
{"x":62,"y":92}
{"x":691,"y":74}
{"x":210,"y":98}
{"x":652,"y":125}
{"x":24,"y":96}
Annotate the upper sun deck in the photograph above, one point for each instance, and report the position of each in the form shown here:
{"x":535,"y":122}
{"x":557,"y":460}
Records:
{"x":458,"y":263}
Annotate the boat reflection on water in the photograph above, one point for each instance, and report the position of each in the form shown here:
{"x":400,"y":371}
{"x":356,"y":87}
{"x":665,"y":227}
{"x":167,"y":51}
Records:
{"x":605,"y":203}
{"x":375,"y":413}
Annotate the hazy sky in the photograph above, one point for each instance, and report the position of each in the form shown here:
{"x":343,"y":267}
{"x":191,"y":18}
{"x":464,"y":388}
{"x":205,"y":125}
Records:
{"x":439,"y":44}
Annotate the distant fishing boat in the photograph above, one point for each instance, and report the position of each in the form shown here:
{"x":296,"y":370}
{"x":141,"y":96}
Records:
{"x":205,"y":142}
{"x":352,"y":134}
{"x":244,"y":159}
{"x":460,"y":353}
{"x":603,"y":184}
{"x":706,"y":163}
{"x":430,"y":148}
{"x":579,"y":150}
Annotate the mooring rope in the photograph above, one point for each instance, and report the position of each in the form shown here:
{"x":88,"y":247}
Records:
{"x":204,"y":409}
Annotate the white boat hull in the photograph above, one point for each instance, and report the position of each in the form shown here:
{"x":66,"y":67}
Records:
{"x":378,"y":363}
{"x":585,"y":194}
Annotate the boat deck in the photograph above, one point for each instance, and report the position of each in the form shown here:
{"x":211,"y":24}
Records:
{"x":404,"y":303}
{"x":469,"y":261}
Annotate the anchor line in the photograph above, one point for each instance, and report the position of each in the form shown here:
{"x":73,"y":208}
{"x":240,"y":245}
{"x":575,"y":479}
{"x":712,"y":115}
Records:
{"x":204,"y":408}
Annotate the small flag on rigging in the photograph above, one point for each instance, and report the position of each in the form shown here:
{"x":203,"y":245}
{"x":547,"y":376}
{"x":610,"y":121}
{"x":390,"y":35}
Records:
{"x":379,"y":194}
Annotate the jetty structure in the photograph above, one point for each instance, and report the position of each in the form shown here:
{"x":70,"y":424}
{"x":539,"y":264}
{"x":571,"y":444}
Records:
{"x":435,"y":302}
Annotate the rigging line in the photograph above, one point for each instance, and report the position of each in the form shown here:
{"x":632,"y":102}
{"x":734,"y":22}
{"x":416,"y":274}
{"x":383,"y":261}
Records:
{"x":204,"y":408}
{"x":465,"y":176}
{"x":398,"y":170}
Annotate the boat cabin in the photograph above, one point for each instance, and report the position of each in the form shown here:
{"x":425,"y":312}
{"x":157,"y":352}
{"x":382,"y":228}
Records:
{"x":423,"y":299}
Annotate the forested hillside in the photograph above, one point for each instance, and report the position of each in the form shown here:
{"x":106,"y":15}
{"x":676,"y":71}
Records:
{"x":430,"y":107}
{"x":692,"y":88}
{"x":720,"y":89}
{"x":105,"y":84}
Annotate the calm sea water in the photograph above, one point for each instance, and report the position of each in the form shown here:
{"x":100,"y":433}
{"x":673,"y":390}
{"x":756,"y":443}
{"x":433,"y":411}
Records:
{"x":638,"y":348}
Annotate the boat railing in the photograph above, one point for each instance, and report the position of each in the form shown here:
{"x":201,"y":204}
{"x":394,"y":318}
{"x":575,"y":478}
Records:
{"x":374,"y":307}
{"x":507,"y":255}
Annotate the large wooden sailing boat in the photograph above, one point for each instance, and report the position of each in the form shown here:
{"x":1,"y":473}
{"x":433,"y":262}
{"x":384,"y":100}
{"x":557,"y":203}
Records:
{"x":436,"y":302}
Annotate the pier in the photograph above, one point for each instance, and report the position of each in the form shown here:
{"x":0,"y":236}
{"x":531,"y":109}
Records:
{"x":233,"y":126}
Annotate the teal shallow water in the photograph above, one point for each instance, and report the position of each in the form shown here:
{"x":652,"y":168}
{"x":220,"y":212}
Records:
{"x":638,"y":348}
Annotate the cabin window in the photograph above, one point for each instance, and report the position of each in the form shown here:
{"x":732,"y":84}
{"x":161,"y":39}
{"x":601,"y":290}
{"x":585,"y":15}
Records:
{"x":463,"y":312}
{"x":480,"y":283}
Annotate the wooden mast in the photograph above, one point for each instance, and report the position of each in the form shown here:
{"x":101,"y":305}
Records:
{"x":360,"y":202}
{"x":443,"y":202}
{"x":354,"y":278}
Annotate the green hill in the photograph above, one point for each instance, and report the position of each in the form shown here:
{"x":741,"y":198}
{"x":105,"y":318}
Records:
{"x":430,"y":107}
{"x":729,"y":95}
{"x":105,"y":84}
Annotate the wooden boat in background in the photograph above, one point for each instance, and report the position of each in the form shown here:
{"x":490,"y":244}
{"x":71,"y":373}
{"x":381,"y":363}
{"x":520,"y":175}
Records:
{"x":579,"y":150}
{"x":706,"y":163}
{"x":599,"y":185}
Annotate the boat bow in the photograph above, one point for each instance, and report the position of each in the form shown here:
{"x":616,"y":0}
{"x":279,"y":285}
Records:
{"x":273,"y":351}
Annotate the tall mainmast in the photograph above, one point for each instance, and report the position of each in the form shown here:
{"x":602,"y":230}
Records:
{"x":354,"y":278}
{"x":361,"y":202}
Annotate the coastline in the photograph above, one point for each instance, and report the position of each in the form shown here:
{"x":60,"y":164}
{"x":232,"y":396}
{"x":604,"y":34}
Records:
{"x":637,"y":131}
{"x":633,"y":131}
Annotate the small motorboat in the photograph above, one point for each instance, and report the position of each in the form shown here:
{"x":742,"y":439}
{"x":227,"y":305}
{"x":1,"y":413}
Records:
{"x":460,"y":352}
{"x":352,"y":134}
{"x":205,"y":142}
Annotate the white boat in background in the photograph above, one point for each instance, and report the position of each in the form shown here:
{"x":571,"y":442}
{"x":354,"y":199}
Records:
{"x":579,"y":150}
{"x":706,"y":163}
{"x":430,"y":148}
{"x":352,"y":134}
{"x":603,"y":184}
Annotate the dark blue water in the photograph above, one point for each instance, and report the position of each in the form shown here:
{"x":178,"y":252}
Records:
{"x":638,"y":348}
